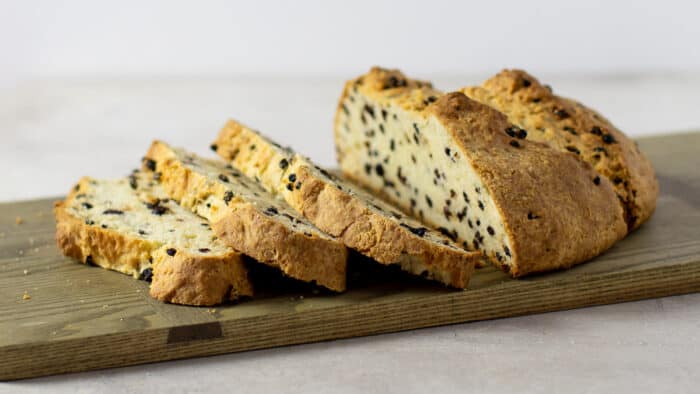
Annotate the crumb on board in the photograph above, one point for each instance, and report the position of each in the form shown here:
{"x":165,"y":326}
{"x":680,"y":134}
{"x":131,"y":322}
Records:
{"x":211,"y":310}
{"x":26,"y":296}
{"x":26,"y":272}
{"x":21,"y":252}
{"x":19,"y":220}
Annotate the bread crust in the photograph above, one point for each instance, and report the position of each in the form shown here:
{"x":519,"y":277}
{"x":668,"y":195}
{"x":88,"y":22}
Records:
{"x":553,"y":221}
{"x":181,"y":279}
{"x":246,"y":228}
{"x":341,"y":214}
{"x":199,"y":280}
{"x":576,"y":219}
{"x":565,"y":124}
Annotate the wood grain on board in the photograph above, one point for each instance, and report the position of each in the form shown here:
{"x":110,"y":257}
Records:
{"x":58,"y":316}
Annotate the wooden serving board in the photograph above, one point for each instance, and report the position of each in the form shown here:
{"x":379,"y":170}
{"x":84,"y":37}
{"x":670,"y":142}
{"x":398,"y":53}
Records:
{"x":59,"y":316}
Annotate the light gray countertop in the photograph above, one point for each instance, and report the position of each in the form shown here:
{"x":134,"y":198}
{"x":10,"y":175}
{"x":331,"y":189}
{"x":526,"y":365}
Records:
{"x":52,"y":132}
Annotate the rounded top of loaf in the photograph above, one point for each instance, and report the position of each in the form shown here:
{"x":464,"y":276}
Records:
{"x":568,"y":125}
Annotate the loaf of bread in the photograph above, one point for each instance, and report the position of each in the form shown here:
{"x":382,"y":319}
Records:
{"x":460,"y":166}
{"x":129,"y":225}
{"x":569,"y":126}
{"x":363,"y":222}
{"x":506,"y":172}
{"x":248,"y":218}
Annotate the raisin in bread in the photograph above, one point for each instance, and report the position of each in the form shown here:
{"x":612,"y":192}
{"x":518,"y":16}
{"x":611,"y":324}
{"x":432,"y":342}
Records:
{"x":567,"y":125}
{"x":129,"y":225}
{"x":361,"y":221}
{"x":462,"y":167}
{"x":248,"y":218}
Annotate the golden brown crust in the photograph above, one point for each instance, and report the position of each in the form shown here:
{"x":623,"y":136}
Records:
{"x":374,"y":235}
{"x":199,"y":280}
{"x":244,"y":227}
{"x":305,"y":257}
{"x":573,"y":218}
{"x":567,"y":125}
{"x":341,"y":214}
{"x":183,"y":279}
{"x":576,"y":219}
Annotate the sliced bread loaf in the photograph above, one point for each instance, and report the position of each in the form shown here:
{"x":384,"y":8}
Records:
{"x":462,"y":167}
{"x":569,"y":126}
{"x":248,"y":218}
{"x":129,"y":225}
{"x":361,"y":221}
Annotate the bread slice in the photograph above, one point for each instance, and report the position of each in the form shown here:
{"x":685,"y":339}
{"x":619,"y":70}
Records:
{"x":461,"y":166}
{"x":129,"y":225}
{"x":363,"y":222}
{"x":569,"y":126}
{"x":248,"y":218}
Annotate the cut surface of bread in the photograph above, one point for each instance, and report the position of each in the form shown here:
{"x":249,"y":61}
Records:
{"x":462,"y":167}
{"x":340,"y":208}
{"x":248,"y":218}
{"x":129,"y":225}
{"x":569,"y":126}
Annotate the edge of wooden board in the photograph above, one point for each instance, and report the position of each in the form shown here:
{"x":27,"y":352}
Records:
{"x":370,"y":318}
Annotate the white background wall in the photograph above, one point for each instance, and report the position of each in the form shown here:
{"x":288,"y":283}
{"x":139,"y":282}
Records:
{"x":59,"y":38}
